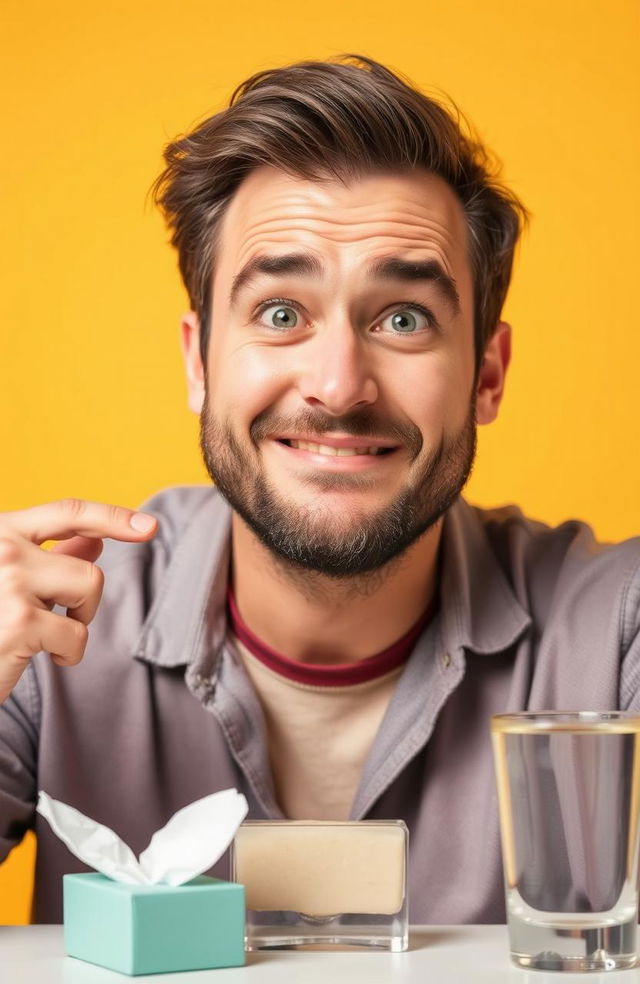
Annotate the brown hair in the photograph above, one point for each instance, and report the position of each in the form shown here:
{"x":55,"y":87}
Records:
{"x":342,"y":118}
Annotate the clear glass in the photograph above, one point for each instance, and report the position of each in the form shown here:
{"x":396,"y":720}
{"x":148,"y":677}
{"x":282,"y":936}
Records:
{"x":569,"y":797}
{"x":313,"y":882}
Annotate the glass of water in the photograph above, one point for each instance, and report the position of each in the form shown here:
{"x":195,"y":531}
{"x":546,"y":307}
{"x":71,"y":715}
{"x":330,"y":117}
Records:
{"x":569,"y":801}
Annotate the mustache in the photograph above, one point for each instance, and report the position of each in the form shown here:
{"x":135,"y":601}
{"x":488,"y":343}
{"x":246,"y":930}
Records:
{"x":361,"y":423}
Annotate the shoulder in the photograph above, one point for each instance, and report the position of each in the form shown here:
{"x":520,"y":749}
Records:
{"x":565,"y":566}
{"x":176,"y":508}
{"x":193,"y":523}
{"x":520,"y":540}
{"x":157,"y":575}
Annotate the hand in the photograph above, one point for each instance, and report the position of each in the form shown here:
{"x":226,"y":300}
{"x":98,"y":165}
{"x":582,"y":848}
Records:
{"x":33,"y":580}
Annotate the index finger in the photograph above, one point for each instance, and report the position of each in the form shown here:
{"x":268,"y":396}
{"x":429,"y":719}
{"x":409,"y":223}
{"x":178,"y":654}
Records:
{"x":79,"y":517}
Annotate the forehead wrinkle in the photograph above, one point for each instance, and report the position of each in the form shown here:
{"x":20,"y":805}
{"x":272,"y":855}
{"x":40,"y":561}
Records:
{"x":448,"y":213}
{"x":380,"y":246}
{"x":274,"y":216}
{"x":311,"y":221}
{"x":280,"y":230}
{"x":270,"y":197}
{"x":341,"y":230}
{"x":298,"y":238}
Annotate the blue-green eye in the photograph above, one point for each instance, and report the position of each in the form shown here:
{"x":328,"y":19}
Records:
{"x":405,"y":322}
{"x":279,"y":316}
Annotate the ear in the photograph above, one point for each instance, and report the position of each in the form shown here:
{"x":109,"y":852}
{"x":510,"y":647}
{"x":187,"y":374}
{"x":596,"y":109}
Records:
{"x":492,"y":374}
{"x":190,"y":344}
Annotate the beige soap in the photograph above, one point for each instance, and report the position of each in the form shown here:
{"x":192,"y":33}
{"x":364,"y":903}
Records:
{"x":322,"y":868}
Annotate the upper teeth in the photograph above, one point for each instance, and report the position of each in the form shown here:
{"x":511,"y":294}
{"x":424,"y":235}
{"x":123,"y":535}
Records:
{"x":327,"y":449}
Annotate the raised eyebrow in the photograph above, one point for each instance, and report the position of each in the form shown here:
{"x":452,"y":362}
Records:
{"x":426,"y":271}
{"x":388,"y":268}
{"x":293,"y":264}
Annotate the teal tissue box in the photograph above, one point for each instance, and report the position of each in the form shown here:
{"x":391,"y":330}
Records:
{"x":152,"y":929}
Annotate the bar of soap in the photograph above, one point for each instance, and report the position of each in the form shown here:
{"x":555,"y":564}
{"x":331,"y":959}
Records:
{"x":321,"y":868}
{"x":151,"y":929}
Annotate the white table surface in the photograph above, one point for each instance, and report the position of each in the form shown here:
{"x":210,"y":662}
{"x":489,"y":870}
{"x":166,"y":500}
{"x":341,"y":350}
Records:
{"x":438,"y":954}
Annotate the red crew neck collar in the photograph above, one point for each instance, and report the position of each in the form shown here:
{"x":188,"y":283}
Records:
{"x":319,"y":674}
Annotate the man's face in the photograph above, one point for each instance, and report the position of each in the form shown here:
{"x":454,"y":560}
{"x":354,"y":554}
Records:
{"x":339,"y":417}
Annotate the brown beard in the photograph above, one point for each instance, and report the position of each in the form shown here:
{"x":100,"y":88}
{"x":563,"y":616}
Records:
{"x":310,"y":538}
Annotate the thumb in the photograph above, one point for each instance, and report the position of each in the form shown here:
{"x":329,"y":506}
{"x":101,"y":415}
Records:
{"x":83,"y":547}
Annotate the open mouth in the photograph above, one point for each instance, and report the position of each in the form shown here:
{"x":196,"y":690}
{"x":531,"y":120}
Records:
{"x":338,"y":452}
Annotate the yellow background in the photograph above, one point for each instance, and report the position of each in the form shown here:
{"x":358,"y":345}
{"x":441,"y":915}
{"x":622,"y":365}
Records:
{"x":92,"y":399}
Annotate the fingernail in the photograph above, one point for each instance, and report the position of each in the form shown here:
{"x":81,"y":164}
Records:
{"x":142,"y":523}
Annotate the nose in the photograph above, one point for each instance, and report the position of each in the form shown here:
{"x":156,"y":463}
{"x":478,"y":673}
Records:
{"x":337,"y":374}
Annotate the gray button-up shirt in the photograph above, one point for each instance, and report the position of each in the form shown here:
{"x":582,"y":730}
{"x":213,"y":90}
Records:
{"x":159,"y":713}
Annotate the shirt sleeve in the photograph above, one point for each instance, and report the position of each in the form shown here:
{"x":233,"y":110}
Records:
{"x":19,"y":728}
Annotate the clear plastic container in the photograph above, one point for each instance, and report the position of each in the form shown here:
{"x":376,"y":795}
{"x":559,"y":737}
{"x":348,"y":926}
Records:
{"x":310,"y":882}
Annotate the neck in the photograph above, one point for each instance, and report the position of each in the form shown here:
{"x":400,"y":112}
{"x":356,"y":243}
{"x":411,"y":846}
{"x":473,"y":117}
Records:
{"x":313,"y":618}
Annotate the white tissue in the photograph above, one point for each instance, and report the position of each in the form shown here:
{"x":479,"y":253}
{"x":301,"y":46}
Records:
{"x":190,"y":843}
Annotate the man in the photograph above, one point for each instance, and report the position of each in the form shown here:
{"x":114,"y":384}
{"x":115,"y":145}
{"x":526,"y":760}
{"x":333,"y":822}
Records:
{"x":332,"y":635}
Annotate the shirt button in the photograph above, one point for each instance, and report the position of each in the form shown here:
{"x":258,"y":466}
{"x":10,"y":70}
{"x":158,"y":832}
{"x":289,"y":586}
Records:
{"x":446,"y":659}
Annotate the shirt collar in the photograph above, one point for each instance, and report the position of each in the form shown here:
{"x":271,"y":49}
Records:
{"x":186,"y":623}
{"x":479,"y":609}
{"x":187,"y":619}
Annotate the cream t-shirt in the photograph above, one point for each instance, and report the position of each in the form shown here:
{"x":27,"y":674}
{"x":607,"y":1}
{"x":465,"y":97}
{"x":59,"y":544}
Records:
{"x":319,"y":736}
